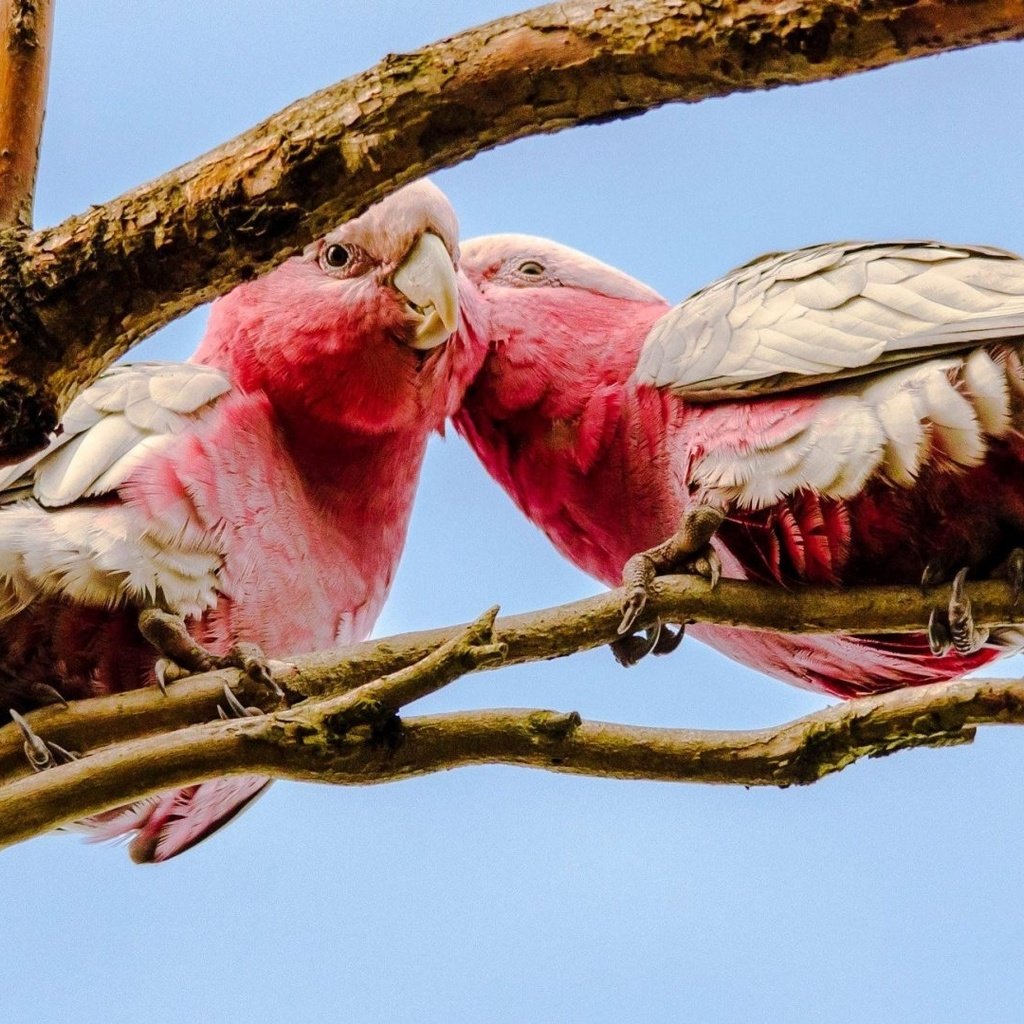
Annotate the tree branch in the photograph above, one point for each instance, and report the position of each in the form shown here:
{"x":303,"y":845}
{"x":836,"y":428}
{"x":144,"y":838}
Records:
{"x":26,"y":27}
{"x":76,"y":296}
{"x":534,"y":636}
{"x":344,"y":731}
{"x":306,"y":747}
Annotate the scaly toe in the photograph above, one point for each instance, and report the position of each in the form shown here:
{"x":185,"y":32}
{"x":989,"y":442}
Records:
{"x":966,"y":637}
{"x":251,"y":660}
{"x":638,"y":575}
{"x":172,"y":640}
{"x":700,"y":524}
{"x":939,"y":640}
{"x":41,"y":754}
{"x":632,"y":606}
{"x":707,"y":565}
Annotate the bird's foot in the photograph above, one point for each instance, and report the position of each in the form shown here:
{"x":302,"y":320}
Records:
{"x":687,"y":550}
{"x":657,"y":640}
{"x":40,"y":753}
{"x":30,"y":695}
{"x":952,"y":628}
{"x":182,"y":656}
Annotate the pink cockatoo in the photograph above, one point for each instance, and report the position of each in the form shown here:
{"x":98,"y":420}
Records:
{"x":842,"y":414}
{"x":261,"y":491}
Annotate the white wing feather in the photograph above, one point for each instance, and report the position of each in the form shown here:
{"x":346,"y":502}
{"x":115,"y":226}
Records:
{"x":833,"y":311}
{"x":939,"y":412}
{"x":55,"y":542}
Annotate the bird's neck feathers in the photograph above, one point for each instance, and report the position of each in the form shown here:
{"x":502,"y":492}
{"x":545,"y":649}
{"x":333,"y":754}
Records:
{"x":552,"y":355}
{"x":323,"y":362}
{"x":554,"y":407}
{"x":354,"y":406}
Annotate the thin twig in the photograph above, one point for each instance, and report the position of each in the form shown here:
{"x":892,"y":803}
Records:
{"x":471,"y":649}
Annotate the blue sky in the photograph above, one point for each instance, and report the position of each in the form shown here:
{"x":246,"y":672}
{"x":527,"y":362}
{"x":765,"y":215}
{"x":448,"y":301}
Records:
{"x":891,"y":892}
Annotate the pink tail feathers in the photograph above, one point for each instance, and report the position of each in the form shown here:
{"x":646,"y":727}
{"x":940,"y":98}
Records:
{"x":171,"y":823}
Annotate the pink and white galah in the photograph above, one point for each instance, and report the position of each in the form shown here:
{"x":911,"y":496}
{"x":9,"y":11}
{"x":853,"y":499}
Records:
{"x":261,"y":490}
{"x":842,"y":414}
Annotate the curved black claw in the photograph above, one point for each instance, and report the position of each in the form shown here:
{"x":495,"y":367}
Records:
{"x":934,"y":572}
{"x":167,"y":671}
{"x":235,"y":709}
{"x":668,"y":640}
{"x":41,"y":754}
{"x":628,"y":650}
{"x":30,"y":695}
{"x":657,"y":640}
{"x":966,"y":637}
{"x":45,"y":695}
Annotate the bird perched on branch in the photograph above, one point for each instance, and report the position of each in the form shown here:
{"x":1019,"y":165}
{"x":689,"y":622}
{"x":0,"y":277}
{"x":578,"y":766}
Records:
{"x":260,"y":491}
{"x":841,"y":414}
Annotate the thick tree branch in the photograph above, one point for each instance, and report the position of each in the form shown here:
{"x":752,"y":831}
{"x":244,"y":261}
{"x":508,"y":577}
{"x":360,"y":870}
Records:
{"x":26,"y":28}
{"x":343,"y":731}
{"x":94,"y":285}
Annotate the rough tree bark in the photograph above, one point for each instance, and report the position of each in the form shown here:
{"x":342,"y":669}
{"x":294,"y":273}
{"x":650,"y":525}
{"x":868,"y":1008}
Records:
{"x":74,"y":297}
{"x":535,"y":636}
{"x":27,"y":32}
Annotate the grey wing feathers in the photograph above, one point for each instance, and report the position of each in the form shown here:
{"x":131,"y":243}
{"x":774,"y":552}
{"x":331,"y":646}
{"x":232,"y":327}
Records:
{"x":110,"y":427}
{"x":831,"y":312}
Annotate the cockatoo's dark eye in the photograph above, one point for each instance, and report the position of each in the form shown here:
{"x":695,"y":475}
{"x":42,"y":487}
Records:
{"x":531,"y":268}
{"x":336,"y":257}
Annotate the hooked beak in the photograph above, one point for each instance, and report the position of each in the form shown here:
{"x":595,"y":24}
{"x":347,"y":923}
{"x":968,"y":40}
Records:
{"x":427,"y":280}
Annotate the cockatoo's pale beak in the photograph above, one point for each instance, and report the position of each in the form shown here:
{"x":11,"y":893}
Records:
{"x":427,"y":279}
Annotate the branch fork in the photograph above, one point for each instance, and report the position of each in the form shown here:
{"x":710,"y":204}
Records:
{"x":376,"y":703}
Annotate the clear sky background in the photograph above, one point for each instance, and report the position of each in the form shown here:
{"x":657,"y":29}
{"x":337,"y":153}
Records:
{"x":892,"y":892}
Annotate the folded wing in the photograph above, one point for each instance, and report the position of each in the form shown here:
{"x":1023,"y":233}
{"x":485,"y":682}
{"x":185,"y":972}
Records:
{"x":833,"y":312}
{"x":62,"y":532}
{"x":820,"y":368}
